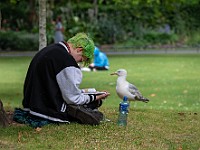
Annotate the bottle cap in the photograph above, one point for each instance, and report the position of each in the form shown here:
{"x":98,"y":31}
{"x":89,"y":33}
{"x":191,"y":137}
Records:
{"x":125,"y":98}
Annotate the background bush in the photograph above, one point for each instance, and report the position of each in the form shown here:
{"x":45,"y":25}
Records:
{"x":23,"y":41}
{"x":19,"y":41}
{"x":110,"y":22}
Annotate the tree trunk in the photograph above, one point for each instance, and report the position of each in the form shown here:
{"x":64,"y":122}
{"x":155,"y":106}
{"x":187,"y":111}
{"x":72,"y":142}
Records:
{"x":32,"y":14}
{"x":4,"y":121}
{"x":95,"y":10}
{"x":0,"y":19}
{"x":42,"y":24}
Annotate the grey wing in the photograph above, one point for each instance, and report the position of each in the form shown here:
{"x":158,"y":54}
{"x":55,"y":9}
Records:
{"x":133,"y":89}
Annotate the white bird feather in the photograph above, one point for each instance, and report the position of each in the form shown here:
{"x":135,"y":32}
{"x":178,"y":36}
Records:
{"x":124,"y":88}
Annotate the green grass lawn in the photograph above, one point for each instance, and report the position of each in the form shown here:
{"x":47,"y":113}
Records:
{"x":171,"y":120}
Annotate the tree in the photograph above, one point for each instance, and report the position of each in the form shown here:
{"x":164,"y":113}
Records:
{"x":42,"y":24}
{"x":0,"y":19}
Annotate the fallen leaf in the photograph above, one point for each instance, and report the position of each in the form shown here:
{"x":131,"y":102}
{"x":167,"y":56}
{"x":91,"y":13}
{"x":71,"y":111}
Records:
{"x":153,"y":95}
{"x":19,"y":137}
{"x":38,"y":129}
{"x":179,"y":148}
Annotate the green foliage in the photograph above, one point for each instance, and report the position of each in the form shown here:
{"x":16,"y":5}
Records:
{"x":109,"y":22}
{"x":160,"y":38}
{"x":18,"y":14}
{"x":18,"y":41}
{"x":193,"y":39}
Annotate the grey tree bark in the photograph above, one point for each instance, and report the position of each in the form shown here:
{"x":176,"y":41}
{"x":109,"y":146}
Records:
{"x":42,"y":24}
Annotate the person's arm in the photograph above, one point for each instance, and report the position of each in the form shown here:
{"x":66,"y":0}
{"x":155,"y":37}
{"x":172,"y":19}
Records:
{"x":69,"y":80}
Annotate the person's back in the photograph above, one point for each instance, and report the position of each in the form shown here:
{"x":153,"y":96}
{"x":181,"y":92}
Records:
{"x":51,"y":89}
{"x":101,"y":61}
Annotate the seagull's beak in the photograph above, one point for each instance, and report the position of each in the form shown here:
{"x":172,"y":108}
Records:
{"x":114,"y":73}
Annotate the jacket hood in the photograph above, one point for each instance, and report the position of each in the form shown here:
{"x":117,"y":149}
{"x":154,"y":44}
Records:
{"x":96,"y":51}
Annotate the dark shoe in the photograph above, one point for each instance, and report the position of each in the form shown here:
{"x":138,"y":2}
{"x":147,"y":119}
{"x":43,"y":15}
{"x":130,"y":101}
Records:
{"x":24,"y":117}
{"x":85,"y":115}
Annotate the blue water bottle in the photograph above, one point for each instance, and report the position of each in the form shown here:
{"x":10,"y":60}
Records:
{"x":123,"y":112}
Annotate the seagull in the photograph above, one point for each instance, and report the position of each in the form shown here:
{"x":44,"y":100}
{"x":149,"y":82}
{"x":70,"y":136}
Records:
{"x":124,"y":88}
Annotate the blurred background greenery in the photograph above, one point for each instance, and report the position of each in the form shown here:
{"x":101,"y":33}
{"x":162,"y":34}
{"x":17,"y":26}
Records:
{"x":136,"y":23}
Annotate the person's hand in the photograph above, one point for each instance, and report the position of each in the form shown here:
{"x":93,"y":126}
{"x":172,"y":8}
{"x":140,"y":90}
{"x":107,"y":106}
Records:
{"x":102,"y":96}
{"x":91,"y":65}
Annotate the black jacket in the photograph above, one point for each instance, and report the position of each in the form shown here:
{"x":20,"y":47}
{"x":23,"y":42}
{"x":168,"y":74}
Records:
{"x":52,"y":82}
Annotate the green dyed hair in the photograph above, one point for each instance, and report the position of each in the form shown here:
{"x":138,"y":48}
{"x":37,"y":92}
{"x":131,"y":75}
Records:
{"x":84,"y":41}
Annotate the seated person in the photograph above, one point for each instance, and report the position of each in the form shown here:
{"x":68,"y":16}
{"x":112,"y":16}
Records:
{"x":100,"y":61}
{"x":51,"y":89}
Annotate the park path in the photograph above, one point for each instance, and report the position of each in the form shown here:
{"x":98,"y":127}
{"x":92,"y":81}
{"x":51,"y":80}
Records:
{"x":114,"y":52}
